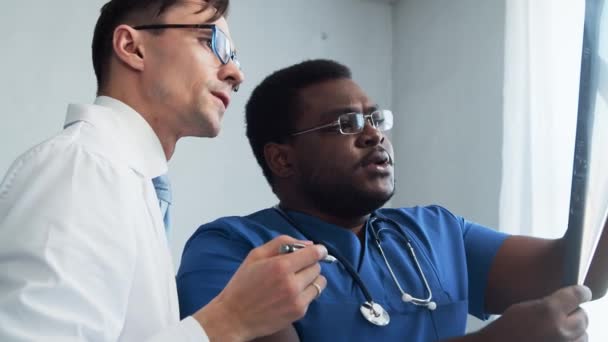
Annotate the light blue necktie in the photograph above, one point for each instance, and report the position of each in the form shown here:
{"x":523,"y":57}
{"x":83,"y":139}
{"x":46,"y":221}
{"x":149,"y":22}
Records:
{"x":163,"y":192}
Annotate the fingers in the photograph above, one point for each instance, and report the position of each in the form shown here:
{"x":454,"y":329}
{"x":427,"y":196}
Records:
{"x":570,"y":321}
{"x":292,"y":262}
{"x":576,"y":324}
{"x":307,"y":275}
{"x":314,"y":289}
{"x":569,"y":298}
{"x":556,"y":317}
{"x":271,"y":248}
{"x":305,"y":257}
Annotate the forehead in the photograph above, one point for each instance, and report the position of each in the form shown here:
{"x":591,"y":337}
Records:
{"x":330,"y":96}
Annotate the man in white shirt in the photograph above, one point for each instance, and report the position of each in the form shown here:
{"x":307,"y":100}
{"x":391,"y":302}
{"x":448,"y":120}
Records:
{"x":83,"y":250}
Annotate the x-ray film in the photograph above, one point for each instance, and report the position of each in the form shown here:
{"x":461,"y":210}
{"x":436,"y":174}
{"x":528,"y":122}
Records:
{"x":589,"y":192}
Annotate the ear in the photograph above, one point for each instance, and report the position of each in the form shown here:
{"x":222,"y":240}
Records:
{"x":279,"y":158}
{"x":128,"y":46}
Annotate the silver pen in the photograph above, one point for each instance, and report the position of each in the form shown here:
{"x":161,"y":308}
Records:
{"x":292,"y":247}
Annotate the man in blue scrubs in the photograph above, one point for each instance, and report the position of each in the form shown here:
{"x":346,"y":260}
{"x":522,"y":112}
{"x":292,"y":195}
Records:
{"x":322,"y":146}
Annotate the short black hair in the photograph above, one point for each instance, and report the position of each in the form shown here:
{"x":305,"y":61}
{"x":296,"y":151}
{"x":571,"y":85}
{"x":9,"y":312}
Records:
{"x":274,"y":103}
{"x":118,"y":12}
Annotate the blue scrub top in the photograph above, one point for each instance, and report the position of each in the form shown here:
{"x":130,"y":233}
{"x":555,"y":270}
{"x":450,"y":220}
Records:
{"x":454,"y":254}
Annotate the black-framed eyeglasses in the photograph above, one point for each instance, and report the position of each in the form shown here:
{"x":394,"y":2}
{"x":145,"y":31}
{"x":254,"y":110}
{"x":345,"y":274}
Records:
{"x":220,"y":44}
{"x":354,"y":123}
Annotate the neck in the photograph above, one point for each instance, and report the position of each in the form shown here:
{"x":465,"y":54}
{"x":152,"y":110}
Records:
{"x":167,"y":139}
{"x":354,"y":223}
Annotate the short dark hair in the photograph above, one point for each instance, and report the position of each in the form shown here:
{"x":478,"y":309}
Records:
{"x":273,"y":105}
{"x":117,"y":12}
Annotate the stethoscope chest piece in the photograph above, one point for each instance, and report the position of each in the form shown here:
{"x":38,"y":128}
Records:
{"x":375,"y":314}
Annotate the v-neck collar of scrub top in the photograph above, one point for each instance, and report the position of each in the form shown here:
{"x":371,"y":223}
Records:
{"x":336,"y":236}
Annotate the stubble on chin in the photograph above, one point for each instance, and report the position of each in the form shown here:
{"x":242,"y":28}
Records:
{"x":345,"y":200}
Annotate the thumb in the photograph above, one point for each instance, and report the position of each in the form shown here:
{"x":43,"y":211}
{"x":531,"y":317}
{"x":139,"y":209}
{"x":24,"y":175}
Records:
{"x":569,"y":298}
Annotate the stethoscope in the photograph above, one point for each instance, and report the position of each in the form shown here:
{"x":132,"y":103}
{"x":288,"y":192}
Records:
{"x":370,"y":310}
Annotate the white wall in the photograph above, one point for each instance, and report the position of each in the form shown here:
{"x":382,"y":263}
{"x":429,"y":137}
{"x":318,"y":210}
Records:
{"x":45,"y":63}
{"x":447,"y":91}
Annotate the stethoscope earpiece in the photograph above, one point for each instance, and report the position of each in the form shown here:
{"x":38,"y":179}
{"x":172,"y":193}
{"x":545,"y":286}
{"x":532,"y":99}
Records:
{"x":406,"y":297}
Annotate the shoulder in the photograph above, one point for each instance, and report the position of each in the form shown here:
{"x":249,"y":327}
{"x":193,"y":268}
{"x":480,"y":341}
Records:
{"x":431,"y":225}
{"x":64,"y":181}
{"x":62,"y":160}
{"x":254,"y":229}
{"x":425,"y":215}
{"x":437,"y":224}
{"x":79,"y":143}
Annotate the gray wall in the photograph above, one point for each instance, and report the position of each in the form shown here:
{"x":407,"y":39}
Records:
{"x":44,"y":64}
{"x":447,"y":90}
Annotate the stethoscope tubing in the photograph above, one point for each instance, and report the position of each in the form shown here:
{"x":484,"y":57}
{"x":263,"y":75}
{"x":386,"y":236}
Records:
{"x":428,"y":302}
{"x":349,"y":268}
{"x":408,"y":242}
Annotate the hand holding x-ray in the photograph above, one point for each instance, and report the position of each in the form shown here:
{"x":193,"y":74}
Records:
{"x":589,"y":194}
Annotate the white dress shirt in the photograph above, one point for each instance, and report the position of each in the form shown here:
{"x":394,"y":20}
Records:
{"x":83,"y":252}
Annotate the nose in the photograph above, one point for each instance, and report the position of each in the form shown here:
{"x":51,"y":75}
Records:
{"x":370,"y":136}
{"x":231,"y":73}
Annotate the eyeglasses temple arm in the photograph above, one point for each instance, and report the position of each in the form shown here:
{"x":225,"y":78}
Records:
{"x":333,"y":124}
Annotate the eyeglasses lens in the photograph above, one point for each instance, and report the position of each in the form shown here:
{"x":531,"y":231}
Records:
{"x":353,"y":123}
{"x":382,"y":119}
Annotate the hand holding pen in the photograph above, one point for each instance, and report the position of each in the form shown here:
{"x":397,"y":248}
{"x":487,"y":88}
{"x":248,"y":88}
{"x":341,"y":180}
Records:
{"x":292,"y":247}
{"x":275,"y":290}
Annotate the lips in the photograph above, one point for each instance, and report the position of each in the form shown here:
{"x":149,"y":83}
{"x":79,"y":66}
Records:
{"x":379,"y":157}
{"x":225,"y":98}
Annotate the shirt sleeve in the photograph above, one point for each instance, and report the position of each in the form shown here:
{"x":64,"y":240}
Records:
{"x":66,"y":253}
{"x":481,"y":245}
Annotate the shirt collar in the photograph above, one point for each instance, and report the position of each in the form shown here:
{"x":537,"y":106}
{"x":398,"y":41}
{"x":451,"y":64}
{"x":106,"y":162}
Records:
{"x":135,"y":139}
